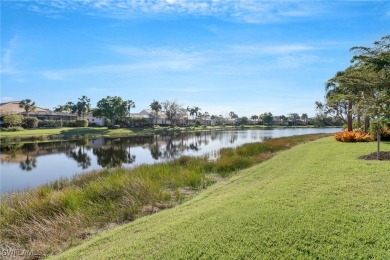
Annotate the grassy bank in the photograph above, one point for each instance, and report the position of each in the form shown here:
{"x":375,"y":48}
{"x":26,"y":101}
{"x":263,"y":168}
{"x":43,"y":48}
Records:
{"x":315,"y":201}
{"x":57,"y":216}
{"x":75,"y":133}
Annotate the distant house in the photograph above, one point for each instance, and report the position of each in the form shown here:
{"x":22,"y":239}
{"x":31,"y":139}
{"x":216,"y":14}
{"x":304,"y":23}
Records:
{"x":40,"y":113}
{"x":94,"y":121}
{"x":151,"y":115}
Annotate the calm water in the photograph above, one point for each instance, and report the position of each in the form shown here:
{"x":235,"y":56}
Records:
{"x":29,"y":165}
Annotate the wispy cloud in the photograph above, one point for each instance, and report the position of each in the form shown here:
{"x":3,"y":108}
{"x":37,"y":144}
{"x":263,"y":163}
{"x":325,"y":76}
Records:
{"x":7,"y":99}
{"x":8,"y":65}
{"x":224,"y":61}
{"x":295,"y":61}
{"x":147,"y":66}
{"x":251,"y":11}
{"x":261,"y":49}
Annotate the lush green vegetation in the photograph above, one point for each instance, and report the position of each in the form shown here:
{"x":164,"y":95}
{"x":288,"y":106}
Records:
{"x":54,"y":217}
{"x":361,"y":90}
{"x":315,"y":201}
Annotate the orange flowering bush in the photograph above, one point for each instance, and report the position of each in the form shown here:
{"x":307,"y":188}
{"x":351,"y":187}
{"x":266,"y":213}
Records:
{"x":353,"y":136}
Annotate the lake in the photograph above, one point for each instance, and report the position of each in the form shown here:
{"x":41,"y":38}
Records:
{"x":28,"y":165}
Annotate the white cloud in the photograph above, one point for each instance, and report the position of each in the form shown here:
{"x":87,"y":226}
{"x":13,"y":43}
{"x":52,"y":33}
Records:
{"x":8,"y":65}
{"x":258,"y":49}
{"x":224,"y":61}
{"x":251,"y":11}
{"x":295,"y":61}
{"x":7,"y":99}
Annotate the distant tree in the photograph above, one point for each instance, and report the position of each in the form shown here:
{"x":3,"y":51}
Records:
{"x":304,"y":117}
{"x":183,"y":114}
{"x":130,"y":105}
{"x":233,"y":115}
{"x":28,"y":105}
{"x":294,"y":117}
{"x":13,"y":120}
{"x":59,"y":108}
{"x":283,"y":118}
{"x":172,"y":109}
{"x":194,"y":111}
{"x":267,"y":118}
{"x":156,"y":107}
{"x":218,"y":119}
{"x":206,"y":115}
{"x":67,"y":108}
{"x":243,"y":120}
{"x":114,"y":108}
{"x":254,"y":117}
{"x":82,"y":107}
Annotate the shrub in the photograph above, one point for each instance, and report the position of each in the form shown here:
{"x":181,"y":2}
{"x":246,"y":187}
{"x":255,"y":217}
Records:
{"x":30,"y":122}
{"x":385,"y":134}
{"x":13,"y":120}
{"x":82,"y":123}
{"x":384,"y":130}
{"x":50,"y":123}
{"x":12,"y":129}
{"x":353,"y":136}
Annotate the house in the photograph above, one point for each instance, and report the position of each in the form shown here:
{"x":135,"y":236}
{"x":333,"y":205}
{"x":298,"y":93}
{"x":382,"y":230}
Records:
{"x":94,"y":121}
{"x":40,"y":113}
{"x":151,"y":115}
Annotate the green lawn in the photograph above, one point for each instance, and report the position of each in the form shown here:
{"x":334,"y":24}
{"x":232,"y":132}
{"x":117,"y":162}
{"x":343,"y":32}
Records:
{"x":66,"y":131}
{"x":314,"y":201}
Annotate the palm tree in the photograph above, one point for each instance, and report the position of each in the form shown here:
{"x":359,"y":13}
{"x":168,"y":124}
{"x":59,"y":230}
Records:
{"x":83,"y":106}
{"x":304,"y":117}
{"x":283,"y":118}
{"x":194,"y":111}
{"x":27,"y":105}
{"x":130,"y":105}
{"x":155,"y":106}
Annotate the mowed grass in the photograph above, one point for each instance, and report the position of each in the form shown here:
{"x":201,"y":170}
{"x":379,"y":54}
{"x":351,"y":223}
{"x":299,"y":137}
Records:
{"x":53,"y":217}
{"x":314,"y":201}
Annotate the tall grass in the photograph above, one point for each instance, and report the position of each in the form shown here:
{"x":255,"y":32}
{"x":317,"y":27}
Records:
{"x":56,"y":216}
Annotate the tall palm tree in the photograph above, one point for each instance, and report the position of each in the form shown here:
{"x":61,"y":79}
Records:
{"x":83,"y":106}
{"x":130,"y":105}
{"x":304,"y":117}
{"x":27,"y":105}
{"x":156,"y":106}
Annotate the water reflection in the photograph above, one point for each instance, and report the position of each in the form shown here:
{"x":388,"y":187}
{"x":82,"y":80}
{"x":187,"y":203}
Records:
{"x":49,"y":161}
{"x":80,"y":156}
{"x":29,"y":164}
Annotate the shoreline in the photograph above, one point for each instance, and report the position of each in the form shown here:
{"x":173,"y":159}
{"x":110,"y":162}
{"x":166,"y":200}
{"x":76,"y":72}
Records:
{"x":64,"y":134}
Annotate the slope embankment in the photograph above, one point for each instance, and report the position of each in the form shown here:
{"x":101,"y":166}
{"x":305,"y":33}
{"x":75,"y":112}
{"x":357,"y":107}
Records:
{"x":316,"y":200}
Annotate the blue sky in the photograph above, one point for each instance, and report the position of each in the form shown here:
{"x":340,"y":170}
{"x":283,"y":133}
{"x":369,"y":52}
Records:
{"x":245,"y":56}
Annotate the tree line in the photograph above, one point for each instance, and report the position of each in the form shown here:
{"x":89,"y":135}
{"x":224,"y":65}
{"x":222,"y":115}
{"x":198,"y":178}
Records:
{"x":117,"y":110}
{"x":361,"y":92}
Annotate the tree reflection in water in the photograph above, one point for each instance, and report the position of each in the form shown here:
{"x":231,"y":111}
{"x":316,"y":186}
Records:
{"x":155,"y":149}
{"x":113,"y":153}
{"x":81,"y":157}
{"x":28,"y":164}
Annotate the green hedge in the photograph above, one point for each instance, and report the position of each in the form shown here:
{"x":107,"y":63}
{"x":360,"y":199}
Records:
{"x":50,"y":123}
{"x":30,"y":122}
